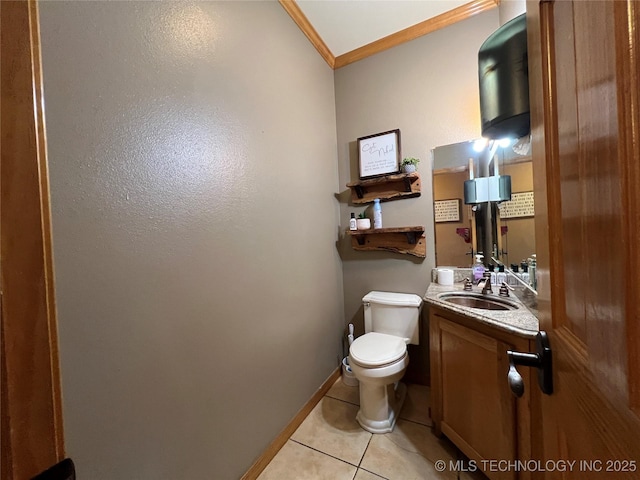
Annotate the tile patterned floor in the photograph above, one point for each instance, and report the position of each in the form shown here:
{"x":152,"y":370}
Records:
{"x":330,"y":445}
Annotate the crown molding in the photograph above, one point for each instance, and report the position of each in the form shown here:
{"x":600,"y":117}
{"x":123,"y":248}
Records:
{"x":292,"y":8}
{"x":418,"y":30}
{"x":411,"y":33}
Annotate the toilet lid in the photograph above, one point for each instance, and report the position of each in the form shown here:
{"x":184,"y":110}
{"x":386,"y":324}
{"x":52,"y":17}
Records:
{"x":376,"y":349}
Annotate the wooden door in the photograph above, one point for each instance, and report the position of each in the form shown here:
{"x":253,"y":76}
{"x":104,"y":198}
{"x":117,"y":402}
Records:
{"x":31,"y":413}
{"x":584,"y":63}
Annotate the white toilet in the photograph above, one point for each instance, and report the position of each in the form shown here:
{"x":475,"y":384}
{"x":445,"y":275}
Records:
{"x":379,"y":358}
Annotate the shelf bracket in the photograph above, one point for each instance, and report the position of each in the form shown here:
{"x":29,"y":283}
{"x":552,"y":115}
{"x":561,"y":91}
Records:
{"x":407,"y":184}
{"x":359,"y":191}
{"x":411,"y":238}
{"x":360,"y":239}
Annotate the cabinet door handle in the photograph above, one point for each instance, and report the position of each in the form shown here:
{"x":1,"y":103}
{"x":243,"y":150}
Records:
{"x":540,"y":360}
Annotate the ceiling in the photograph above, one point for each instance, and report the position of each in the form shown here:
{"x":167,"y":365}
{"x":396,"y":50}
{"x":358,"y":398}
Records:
{"x":345,"y":25}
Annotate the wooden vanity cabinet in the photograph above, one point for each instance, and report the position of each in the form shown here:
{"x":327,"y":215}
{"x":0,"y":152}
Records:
{"x":471,"y":403}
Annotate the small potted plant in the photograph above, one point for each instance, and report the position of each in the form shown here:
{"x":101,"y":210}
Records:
{"x":362,"y":222}
{"x":409,"y":164}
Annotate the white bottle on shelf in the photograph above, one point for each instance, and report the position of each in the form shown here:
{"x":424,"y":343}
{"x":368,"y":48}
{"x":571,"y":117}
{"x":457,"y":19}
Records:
{"x":377,"y":214}
{"x":352,"y":222}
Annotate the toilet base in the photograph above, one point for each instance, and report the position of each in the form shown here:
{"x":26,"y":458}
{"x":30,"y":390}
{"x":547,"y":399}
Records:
{"x":380,"y":406}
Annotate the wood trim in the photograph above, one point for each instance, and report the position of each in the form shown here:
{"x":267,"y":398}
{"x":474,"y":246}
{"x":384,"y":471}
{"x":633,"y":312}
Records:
{"x":545,"y":162}
{"x":471,"y":336}
{"x":462,"y":444}
{"x":263,"y":460}
{"x":435,"y":363}
{"x":31,"y":400}
{"x":628,"y":64}
{"x":292,"y":8}
{"x":6,"y":464}
{"x":410,"y":33}
{"x":45,"y":199}
{"x":418,"y":30}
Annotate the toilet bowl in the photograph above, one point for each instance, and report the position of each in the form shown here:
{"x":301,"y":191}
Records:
{"x":379,"y":358}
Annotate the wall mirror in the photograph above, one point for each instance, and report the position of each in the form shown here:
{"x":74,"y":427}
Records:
{"x":503,"y":230}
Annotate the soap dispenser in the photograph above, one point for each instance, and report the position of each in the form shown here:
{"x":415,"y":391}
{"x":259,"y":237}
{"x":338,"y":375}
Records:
{"x":478,"y":269}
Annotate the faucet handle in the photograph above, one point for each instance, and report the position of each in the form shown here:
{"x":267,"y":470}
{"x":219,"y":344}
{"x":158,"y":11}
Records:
{"x":467,"y":284}
{"x":504,"y":289}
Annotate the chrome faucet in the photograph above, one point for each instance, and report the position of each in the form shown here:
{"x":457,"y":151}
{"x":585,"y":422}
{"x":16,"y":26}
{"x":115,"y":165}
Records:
{"x":486,"y":288}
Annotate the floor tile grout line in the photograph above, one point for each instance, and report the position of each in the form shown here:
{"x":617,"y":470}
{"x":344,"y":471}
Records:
{"x":365,"y":450}
{"x":324,"y":453}
{"x":373,"y":473}
{"x":416,"y":422}
{"x":342,"y":400}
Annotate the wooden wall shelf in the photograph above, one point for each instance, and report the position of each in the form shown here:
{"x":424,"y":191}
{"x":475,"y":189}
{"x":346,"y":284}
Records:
{"x":386,"y":188}
{"x":405,"y":240}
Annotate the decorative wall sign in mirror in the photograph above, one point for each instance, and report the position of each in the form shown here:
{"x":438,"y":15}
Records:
{"x":520,"y":205}
{"x":446,"y":210}
{"x":503,"y":230}
{"x":379,"y":154}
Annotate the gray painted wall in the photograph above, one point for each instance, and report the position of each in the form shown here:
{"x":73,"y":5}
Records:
{"x":192,"y":152}
{"x":197,"y":198}
{"x":428,"y":88}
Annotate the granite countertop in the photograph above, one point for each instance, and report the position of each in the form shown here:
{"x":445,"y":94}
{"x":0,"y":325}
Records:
{"x":520,"y":322}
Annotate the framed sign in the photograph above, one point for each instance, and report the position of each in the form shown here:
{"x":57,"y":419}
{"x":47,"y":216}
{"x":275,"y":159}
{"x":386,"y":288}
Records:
{"x":379,"y":154}
{"x":520,"y":205}
{"x":446,"y":210}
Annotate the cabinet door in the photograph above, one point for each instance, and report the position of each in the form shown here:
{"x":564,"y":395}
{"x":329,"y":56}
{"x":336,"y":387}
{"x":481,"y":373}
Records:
{"x":478,"y":410}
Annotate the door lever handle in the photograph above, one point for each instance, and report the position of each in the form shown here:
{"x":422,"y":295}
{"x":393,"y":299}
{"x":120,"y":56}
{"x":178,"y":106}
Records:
{"x":540,"y":360}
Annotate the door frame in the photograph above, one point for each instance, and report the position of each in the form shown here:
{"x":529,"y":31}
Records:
{"x":31,"y":410}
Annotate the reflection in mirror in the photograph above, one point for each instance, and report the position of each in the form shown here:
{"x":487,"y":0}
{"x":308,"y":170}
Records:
{"x":502,"y":230}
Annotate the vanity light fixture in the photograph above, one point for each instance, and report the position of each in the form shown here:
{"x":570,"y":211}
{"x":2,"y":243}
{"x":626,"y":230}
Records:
{"x":504,"y":142}
{"x":480,"y":144}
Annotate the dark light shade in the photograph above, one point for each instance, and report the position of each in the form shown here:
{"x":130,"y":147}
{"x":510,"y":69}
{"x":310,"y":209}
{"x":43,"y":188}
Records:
{"x":476,"y":191}
{"x":504,"y":81}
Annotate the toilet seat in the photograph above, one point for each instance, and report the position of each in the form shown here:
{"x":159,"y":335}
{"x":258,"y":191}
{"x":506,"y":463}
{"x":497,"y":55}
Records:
{"x":374,"y":349}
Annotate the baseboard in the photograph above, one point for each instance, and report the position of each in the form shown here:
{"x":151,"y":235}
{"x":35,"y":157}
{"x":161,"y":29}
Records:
{"x":275,"y":446}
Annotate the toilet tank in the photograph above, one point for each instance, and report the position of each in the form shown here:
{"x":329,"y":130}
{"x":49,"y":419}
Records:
{"x":392,"y":313}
